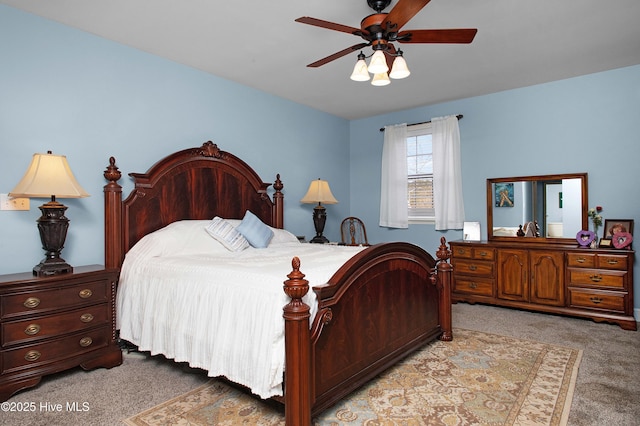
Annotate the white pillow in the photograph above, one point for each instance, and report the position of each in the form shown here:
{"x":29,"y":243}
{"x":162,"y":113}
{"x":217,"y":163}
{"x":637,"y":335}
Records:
{"x":181,"y":237}
{"x":281,"y":236}
{"x":224,"y":232}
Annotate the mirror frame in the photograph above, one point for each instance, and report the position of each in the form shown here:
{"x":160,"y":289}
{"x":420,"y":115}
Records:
{"x":585,"y":203}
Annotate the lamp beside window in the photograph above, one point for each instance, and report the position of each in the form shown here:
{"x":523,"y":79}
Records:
{"x":319,"y":192}
{"x":49,"y":175}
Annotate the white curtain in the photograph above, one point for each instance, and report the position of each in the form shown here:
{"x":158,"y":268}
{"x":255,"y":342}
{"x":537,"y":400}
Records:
{"x":447,"y":173}
{"x":393,"y":196}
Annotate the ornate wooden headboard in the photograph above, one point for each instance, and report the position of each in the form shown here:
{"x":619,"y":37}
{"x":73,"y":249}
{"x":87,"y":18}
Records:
{"x":195,"y":183}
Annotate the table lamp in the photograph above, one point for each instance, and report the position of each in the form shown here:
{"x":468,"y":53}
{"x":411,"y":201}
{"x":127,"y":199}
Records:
{"x":319,"y":192}
{"x":49,"y":175}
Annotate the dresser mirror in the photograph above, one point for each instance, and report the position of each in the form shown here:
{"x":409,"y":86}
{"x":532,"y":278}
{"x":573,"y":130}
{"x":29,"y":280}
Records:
{"x":557,"y":203}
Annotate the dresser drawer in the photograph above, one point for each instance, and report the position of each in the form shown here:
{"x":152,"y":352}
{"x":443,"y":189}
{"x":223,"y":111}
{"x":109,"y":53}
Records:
{"x":31,"y":356}
{"x":581,"y":260}
{"x":40,"y":301}
{"x":473,"y":252}
{"x":472,"y":267}
{"x":597,"y":277}
{"x":476,"y":286}
{"x":581,"y":298}
{"x":612,"y":261}
{"x":32,"y":329}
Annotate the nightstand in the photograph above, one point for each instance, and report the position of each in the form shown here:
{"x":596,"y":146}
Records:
{"x":50,"y":324}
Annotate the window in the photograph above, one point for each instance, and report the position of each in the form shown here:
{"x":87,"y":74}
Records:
{"x":420,"y":173}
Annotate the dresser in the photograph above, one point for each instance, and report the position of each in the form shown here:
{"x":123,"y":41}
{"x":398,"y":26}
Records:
{"x":50,"y":324}
{"x":561,"y":279}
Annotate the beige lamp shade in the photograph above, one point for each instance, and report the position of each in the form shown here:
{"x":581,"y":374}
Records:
{"x":319,"y":192}
{"x":48,"y":175}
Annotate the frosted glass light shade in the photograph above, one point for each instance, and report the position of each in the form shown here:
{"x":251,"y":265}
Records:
{"x":48,"y":175}
{"x":319,"y":192}
{"x":360,"y":72}
{"x":378,"y":63}
{"x":399,"y":69}
{"x":381,"y":79}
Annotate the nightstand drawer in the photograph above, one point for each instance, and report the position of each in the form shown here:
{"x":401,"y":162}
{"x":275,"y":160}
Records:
{"x":594,"y":277}
{"x":44,"y":300}
{"x":477,"y":286}
{"x":36,"y":328}
{"x":471,"y":267}
{"x":30,"y":356}
{"x":581,"y":298}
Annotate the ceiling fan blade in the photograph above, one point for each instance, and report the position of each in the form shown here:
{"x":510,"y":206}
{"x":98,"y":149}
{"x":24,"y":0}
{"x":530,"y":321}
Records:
{"x":390,"y":57}
{"x":329,"y":25}
{"x":402,"y":12}
{"x":461,"y":35}
{"x":337,"y":55}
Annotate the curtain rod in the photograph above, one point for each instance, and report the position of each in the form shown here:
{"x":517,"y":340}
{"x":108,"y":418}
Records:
{"x":459,"y":117}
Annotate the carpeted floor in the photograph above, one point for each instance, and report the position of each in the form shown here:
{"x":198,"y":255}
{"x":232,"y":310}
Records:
{"x":606,"y":393}
{"x":478,"y":379}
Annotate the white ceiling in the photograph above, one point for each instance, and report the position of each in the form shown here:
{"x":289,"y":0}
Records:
{"x":258,"y":44}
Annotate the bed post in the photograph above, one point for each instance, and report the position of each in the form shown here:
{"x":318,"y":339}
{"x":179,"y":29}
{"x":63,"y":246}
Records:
{"x":297,"y":387}
{"x":113,"y":244}
{"x":278,"y":200}
{"x":445,"y":273}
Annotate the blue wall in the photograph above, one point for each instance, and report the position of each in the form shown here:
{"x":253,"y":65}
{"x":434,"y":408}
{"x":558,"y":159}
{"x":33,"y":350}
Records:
{"x":585,"y":124}
{"x":88,"y":98}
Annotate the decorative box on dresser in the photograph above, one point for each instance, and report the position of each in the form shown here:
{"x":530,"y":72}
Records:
{"x":561,"y":279}
{"x":53,"y":323}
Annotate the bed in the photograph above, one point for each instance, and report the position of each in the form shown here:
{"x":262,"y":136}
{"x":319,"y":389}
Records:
{"x":381,"y":303}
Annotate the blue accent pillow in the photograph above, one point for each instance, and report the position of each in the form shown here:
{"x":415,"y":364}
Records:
{"x":255,"y":231}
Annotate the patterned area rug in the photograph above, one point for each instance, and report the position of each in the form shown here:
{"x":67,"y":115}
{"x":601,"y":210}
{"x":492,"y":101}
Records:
{"x":477,"y":379}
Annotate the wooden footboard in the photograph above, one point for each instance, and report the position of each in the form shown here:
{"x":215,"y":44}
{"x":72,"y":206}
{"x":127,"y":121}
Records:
{"x":384,"y":303}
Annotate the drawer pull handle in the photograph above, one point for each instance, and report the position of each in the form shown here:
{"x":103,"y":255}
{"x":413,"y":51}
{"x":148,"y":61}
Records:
{"x":595,"y":300}
{"x":581,"y":260}
{"x":31,"y":302}
{"x":86,"y":341}
{"x":472,"y":267}
{"x":473,"y":285}
{"x":32,"y":356}
{"x":86,"y":318}
{"x":596,"y":278}
{"x":85,"y":294}
{"x":461,"y":251}
{"x":612,"y":262}
{"x":32,"y":329}
{"x":483,"y":253}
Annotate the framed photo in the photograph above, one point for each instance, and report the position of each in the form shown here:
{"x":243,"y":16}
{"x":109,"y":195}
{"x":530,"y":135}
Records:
{"x":503,"y":195}
{"x":605,"y":243}
{"x":619,"y":232}
{"x":613,"y":226}
{"x":471,"y":231}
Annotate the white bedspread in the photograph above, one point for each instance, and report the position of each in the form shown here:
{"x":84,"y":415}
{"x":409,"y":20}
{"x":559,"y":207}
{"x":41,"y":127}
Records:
{"x":218,"y":310}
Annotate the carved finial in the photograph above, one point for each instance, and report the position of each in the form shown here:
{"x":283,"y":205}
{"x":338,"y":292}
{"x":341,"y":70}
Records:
{"x":296,"y":286}
{"x":210,"y":149}
{"x":277,"y":185}
{"x":443,"y":252}
{"x":112,"y":174}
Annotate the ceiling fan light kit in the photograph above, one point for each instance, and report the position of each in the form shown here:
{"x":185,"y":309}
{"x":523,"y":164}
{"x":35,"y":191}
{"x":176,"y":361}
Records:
{"x":380,"y":30}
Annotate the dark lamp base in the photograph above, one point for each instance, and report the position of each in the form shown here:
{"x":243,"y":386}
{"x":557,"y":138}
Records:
{"x":319,"y":239}
{"x":55,"y":266}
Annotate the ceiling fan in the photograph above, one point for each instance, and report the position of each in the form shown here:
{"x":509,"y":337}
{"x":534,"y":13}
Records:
{"x":380,"y":30}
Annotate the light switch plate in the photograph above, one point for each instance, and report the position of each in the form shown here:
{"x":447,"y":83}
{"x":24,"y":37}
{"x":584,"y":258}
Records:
{"x":10,"y":203}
